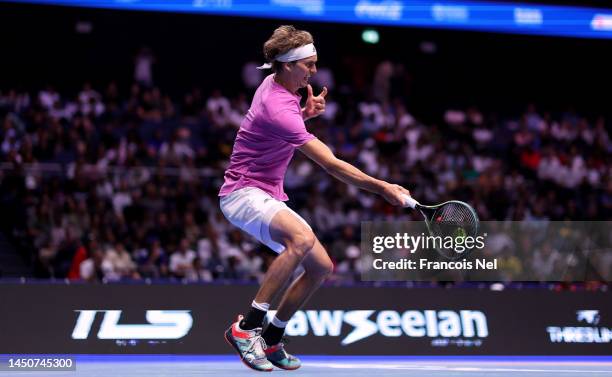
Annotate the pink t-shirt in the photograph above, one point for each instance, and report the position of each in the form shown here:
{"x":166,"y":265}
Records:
{"x":269,"y":134}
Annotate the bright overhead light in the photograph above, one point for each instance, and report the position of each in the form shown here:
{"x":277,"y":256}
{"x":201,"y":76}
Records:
{"x":370,"y":36}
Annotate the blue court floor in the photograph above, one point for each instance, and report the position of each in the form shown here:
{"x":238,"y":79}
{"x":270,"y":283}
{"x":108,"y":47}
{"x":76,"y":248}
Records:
{"x":335,"y":366}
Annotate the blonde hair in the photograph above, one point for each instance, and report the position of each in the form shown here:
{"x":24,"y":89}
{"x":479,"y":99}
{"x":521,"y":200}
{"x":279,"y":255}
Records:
{"x":283,"y":39}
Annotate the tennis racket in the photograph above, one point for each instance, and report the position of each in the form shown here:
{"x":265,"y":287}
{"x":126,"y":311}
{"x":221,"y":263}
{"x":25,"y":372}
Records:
{"x":449,"y":219}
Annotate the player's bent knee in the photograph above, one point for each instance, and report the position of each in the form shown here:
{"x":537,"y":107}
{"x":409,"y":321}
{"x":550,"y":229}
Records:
{"x":301,"y":243}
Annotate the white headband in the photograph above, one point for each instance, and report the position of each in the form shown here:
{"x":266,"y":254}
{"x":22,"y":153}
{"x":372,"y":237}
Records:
{"x":292,"y":55}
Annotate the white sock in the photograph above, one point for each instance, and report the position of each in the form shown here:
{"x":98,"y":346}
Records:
{"x":278,"y":323}
{"x":260,"y":306}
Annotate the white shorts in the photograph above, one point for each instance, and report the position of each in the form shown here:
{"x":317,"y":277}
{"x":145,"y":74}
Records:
{"x":252,"y":210}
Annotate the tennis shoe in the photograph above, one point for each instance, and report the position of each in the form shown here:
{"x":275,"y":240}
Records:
{"x":249,"y":345}
{"x":277,"y":355}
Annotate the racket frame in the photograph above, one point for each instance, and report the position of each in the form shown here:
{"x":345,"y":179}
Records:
{"x":414,"y":204}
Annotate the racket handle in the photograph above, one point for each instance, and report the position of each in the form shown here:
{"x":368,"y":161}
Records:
{"x":409,"y":201}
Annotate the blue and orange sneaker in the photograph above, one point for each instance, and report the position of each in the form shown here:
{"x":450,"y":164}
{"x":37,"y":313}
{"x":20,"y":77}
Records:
{"x":250,"y":346}
{"x":277,"y":355}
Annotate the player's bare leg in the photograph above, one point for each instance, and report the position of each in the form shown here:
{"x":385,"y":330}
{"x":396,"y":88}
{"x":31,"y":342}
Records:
{"x":245,"y":334}
{"x":298,"y":240}
{"x":317,"y":266}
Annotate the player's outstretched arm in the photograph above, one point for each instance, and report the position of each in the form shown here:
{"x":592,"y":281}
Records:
{"x":322,"y":155}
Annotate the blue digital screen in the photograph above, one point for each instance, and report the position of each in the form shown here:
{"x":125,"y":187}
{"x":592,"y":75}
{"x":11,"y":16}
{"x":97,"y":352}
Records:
{"x":569,"y":21}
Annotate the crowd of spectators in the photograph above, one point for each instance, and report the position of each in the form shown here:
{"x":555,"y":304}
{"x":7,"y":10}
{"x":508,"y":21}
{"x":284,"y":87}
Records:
{"x":106,"y":185}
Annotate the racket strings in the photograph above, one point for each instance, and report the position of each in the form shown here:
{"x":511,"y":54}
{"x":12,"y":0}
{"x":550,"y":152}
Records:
{"x":454,"y":219}
{"x":455,"y":213}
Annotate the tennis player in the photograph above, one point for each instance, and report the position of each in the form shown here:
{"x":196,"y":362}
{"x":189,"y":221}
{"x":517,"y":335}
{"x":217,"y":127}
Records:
{"x":252,"y":196}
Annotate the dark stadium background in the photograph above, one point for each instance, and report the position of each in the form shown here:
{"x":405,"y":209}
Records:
{"x":495,"y":71}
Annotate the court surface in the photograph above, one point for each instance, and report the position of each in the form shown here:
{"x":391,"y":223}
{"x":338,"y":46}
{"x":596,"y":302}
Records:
{"x":335,"y":366}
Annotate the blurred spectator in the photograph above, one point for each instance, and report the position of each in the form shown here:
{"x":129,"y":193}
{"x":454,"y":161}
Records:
{"x":96,"y":267}
{"x":181,"y":261}
{"x":143,"y":67}
{"x":120,"y":262}
{"x":251,"y":76}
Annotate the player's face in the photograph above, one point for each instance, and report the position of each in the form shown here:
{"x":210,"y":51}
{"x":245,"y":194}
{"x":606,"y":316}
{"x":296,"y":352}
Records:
{"x":303,"y":70}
